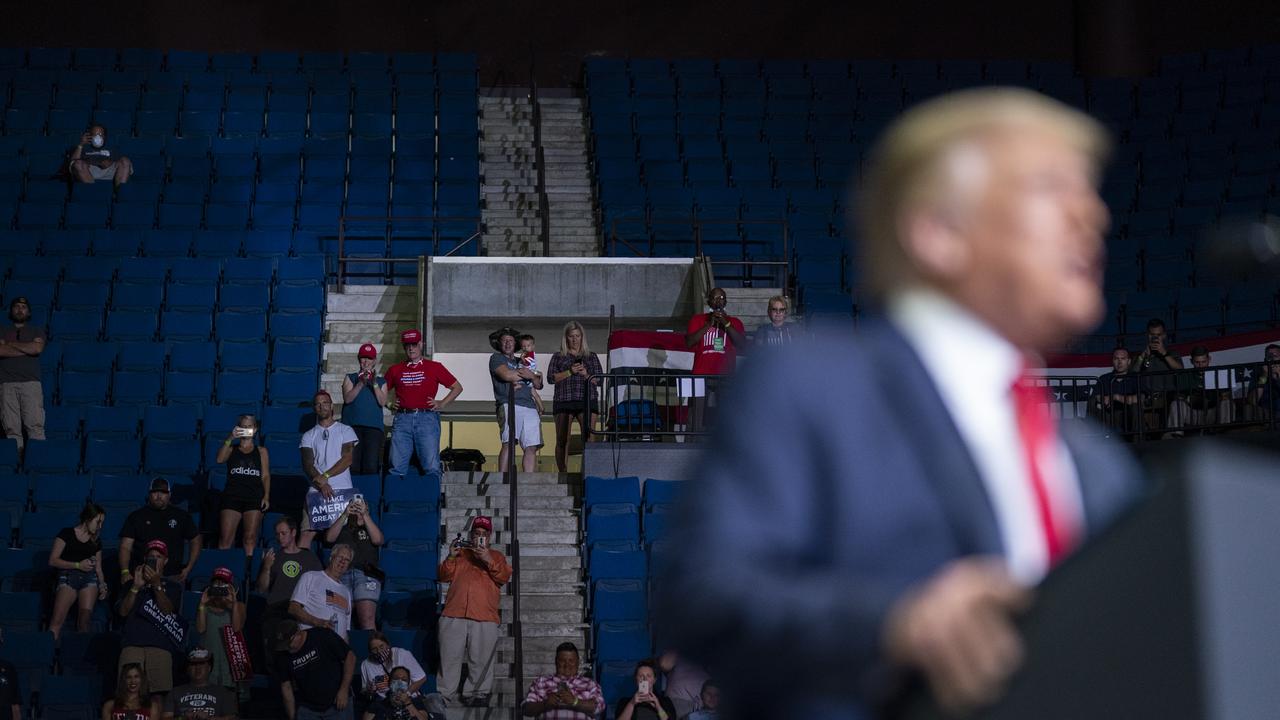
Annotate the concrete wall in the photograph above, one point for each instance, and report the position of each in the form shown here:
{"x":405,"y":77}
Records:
{"x":661,"y":461}
{"x":560,"y":288}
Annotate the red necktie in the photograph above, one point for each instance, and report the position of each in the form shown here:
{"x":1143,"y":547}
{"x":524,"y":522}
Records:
{"x":1038,"y":431}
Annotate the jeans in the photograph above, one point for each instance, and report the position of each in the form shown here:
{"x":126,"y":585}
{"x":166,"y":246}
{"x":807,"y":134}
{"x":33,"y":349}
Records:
{"x":330,"y":713}
{"x":415,"y":431}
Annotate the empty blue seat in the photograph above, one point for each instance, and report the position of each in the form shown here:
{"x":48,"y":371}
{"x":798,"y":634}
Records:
{"x":83,"y":388}
{"x":244,"y":298}
{"x":292,"y":386}
{"x":61,"y":422}
{"x":408,"y":570}
{"x":613,"y":600}
{"x":21,"y":610}
{"x":112,"y":454}
{"x":135,"y":387}
{"x":112,"y":422}
{"x":662,"y":492}
{"x":188,"y":387}
{"x":303,"y":354}
{"x":239,"y":388}
{"x":410,"y":493}
{"x":144,"y":356}
{"x":232,"y":325}
{"x":171,"y":456}
{"x":61,"y":492}
{"x":77,"y":325}
{"x":192,"y":297}
{"x":193,"y":356}
{"x":186,"y":324}
{"x":293,"y":324}
{"x":291,"y":420}
{"x":622,"y":641}
{"x":617,"y":559}
{"x":245,"y":356}
{"x":169,"y":422}
{"x":611,"y":490}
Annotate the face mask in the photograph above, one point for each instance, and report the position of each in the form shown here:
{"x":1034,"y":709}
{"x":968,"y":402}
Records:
{"x":98,"y":141}
{"x":399,"y":686}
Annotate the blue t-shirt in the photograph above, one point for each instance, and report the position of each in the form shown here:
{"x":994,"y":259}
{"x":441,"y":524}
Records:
{"x":143,"y":626}
{"x":364,"y":411}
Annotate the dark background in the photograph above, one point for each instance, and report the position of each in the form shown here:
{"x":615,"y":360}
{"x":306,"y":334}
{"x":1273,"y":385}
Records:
{"x":1103,"y":37}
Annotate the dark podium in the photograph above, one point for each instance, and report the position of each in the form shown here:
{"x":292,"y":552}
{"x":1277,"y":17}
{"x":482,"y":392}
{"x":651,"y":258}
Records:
{"x":1173,"y":614}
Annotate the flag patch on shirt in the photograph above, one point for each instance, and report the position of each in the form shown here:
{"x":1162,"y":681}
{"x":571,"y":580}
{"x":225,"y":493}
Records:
{"x":335,"y":599}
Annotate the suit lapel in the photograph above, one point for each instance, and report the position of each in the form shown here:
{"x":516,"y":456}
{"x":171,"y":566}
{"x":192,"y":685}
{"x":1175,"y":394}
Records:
{"x":910,"y":394}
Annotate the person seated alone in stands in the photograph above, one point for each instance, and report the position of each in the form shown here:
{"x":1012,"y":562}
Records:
{"x":649,"y":703}
{"x":77,"y":556}
{"x":1116,"y":400}
{"x":564,"y":693}
{"x":92,"y":160}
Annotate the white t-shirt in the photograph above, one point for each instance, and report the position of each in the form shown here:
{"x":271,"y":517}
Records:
{"x":326,"y":449}
{"x":325,"y":598}
{"x":371,"y":671}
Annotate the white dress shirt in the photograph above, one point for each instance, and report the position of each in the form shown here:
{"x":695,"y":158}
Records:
{"x":974,"y":370}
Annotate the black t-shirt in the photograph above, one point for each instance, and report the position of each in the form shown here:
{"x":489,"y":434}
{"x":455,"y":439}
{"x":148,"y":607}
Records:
{"x":172,"y":525}
{"x":9,"y":692}
{"x":646,"y":711}
{"x":187,"y":701}
{"x":244,"y":473}
{"x":316,"y":669}
{"x":364,"y":551}
{"x":75,"y":551}
{"x":21,"y":368}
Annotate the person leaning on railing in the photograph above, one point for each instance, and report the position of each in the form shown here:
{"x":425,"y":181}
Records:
{"x":569,"y":371}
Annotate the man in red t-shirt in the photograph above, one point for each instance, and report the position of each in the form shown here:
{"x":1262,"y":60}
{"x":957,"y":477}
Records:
{"x":714,"y":338}
{"x":417,"y":422}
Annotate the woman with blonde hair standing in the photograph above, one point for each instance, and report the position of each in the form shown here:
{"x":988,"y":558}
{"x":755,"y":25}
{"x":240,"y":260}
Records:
{"x":569,"y":371}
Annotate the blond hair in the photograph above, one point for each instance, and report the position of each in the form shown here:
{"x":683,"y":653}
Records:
{"x":786,"y":304}
{"x":564,"y":342}
{"x":906,"y":168}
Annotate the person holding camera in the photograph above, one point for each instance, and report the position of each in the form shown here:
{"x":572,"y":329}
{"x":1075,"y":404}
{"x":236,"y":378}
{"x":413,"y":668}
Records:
{"x":1157,"y":356}
{"x":715,"y":338}
{"x":355,"y":527}
{"x":364,"y":394}
{"x":569,"y":371}
{"x":220,"y":607}
{"x":153,"y":630}
{"x":469,"y":622}
{"x":77,"y":556}
{"x":564,"y":693}
{"x":648,"y":703}
{"x":248,"y":492}
{"x":92,"y":160}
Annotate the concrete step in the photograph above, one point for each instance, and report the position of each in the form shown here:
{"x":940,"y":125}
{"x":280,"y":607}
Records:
{"x":487,"y":478}
{"x":529,"y":523}
{"x":373,"y":299}
{"x":562,"y":602}
{"x":502,"y":512}
{"x":377,"y":333}
{"x":470,"y":502}
{"x":536,"y":646}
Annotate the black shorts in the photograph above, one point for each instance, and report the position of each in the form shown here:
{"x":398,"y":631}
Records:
{"x":573,"y":407}
{"x":241,"y":503}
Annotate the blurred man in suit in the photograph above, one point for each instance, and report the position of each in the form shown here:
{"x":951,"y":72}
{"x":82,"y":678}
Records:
{"x":880,"y":504}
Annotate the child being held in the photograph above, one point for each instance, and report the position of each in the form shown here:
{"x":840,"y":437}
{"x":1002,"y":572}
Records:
{"x":528,"y":359}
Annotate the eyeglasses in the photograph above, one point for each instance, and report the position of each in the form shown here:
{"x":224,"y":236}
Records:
{"x":777,"y":309}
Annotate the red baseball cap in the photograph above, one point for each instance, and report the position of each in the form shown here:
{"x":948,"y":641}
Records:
{"x":159,"y":546}
{"x":409,"y":337}
{"x":367,"y":350}
{"x":224,"y":574}
{"x":482,"y":521}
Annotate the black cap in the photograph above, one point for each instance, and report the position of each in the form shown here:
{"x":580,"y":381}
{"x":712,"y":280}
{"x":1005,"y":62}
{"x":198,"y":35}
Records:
{"x":161,"y":485}
{"x":20,"y":299}
{"x":285,"y":631}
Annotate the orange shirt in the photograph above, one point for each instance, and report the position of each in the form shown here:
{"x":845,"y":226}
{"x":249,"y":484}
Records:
{"x":473,"y":590}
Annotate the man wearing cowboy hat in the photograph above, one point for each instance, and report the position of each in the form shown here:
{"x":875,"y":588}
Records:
{"x":469,"y":622}
{"x":21,"y":397}
{"x":505,"y":369}
{"x":417,"y":423}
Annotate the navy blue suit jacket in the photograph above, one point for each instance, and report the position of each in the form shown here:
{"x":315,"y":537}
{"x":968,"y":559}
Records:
{"x":836,"y":480}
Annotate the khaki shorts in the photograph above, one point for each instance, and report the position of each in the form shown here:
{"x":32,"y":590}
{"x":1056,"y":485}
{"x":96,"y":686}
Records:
{"x":157,"y":666}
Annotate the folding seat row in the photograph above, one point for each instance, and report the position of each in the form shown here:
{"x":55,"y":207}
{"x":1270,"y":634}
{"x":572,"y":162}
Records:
{"x":282,"y":386}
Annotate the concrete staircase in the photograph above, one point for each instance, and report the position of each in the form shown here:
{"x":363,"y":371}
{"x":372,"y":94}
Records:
{"x":364,"y":314}
{"x":510,"y":179}
{"x":552,"y":596}
{"x":513,"y":210}
{"x":568,"y":178}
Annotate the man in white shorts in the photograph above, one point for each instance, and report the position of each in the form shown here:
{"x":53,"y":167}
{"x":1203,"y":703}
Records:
{"x":326,"y":450}
{"x":505,"y":370}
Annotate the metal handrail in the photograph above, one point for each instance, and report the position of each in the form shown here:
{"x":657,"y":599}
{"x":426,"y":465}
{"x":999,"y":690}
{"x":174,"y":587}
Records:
{"x":342,"y":258}
{"x":652,"y":405}
{"x":517,"y":629}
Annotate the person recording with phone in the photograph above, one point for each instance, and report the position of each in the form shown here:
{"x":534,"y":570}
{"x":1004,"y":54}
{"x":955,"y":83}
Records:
{"x":564,"y":694}
{"x":220,"y":606}
{"x":355,"y":527}
{"x":468,"y":628}
{"x":153,"y":630}
{"x":364,"y":394}
{"x":569,"y":371}
{"x":400,"y":702}
{"x":248,"y":492}
{"x":92,"y":160}
{"x":648,"y":703}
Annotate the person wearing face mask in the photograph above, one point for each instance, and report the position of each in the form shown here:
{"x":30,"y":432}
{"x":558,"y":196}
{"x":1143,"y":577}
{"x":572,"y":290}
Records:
{"x":383,"y":660}
{"x":401,"y":703}
{"x":94,"y":160}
